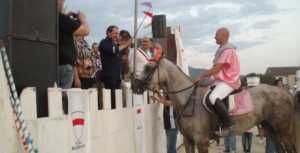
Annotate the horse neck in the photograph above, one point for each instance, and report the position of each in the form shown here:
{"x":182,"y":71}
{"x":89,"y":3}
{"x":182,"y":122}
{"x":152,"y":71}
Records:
{"x":177,"y":80}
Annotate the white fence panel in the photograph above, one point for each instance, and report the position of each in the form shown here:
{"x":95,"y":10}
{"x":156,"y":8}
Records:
{"x":28,"y":103}
{"x":55,"y":106}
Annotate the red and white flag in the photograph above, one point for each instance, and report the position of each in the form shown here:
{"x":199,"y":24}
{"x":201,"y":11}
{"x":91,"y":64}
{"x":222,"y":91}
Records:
{"x":149,"y":14}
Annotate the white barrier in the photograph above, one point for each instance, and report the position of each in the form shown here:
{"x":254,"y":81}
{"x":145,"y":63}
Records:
{"x":107,"y":130}
{"x":55,"y":102}
{"x":30,"y":104}
{"x":106,"y":99}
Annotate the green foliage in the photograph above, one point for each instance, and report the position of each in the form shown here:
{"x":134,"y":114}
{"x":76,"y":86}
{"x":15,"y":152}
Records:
{"x":267,"y":79}
{"x":264,"y":78}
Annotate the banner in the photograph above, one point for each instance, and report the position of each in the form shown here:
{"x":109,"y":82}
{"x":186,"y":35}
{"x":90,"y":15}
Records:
{"x":78,"y":106}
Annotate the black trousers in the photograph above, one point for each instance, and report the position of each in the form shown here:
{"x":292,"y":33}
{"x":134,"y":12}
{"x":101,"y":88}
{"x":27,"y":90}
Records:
{"x":112,"y":85}
{"x":87,"y":83}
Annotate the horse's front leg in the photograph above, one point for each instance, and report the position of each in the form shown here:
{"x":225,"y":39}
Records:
{"x":189,"y":146}
{"x":203,"y":145}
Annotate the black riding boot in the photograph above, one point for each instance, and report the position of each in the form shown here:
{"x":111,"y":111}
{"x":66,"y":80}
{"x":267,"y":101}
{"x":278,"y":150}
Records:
{"x":222,"y":112}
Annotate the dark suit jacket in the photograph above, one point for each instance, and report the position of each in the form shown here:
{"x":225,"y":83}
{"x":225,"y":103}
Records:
{"x":111,"y":61}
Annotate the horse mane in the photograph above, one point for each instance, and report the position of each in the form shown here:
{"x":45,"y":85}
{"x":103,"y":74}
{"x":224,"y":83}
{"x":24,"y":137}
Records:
{"x":177,"y":67}
{"x":202,"y":83}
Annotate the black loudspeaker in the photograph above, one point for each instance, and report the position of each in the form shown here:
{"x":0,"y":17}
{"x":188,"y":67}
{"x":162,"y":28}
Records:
{"x":159,"y":26}
{"x":30,"y":32}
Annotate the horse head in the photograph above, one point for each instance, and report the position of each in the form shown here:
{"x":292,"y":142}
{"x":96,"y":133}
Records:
{"x":153,"y":77}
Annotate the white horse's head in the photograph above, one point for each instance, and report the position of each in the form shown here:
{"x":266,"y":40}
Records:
{"x":153,"y":76}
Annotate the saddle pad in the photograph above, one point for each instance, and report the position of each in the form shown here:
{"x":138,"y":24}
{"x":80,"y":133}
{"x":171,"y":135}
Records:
{"x":241,"y":103}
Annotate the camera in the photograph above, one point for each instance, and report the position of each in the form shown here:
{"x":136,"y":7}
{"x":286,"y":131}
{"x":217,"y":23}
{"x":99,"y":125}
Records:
{"x":74,"y":16}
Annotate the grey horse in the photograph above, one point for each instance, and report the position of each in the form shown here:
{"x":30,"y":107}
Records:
{"x":274,"y":108}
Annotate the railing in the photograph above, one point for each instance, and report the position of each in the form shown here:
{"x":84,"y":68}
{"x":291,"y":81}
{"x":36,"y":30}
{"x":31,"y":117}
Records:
{"x":107,"y":130}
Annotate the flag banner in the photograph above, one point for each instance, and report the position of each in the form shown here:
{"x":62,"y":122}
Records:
{"x":149,"y":14}
{"x":78,"y":104}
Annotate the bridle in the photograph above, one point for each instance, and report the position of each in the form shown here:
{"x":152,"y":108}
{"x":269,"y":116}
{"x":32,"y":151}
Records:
{"x":151,"y":74}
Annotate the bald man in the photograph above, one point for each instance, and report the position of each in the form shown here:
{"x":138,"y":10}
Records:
{"x":226,"y":75}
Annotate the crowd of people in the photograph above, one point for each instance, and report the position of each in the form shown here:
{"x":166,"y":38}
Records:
{"x":104,"y":64}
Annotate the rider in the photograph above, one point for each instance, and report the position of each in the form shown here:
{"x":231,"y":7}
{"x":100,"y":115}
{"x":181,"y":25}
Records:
{"x":226,"y":75}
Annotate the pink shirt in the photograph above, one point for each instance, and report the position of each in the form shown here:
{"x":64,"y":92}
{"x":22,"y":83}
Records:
{"x":231,"y":71}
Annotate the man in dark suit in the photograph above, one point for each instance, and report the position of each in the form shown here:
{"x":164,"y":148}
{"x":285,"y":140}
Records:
{"x":111,"y":59}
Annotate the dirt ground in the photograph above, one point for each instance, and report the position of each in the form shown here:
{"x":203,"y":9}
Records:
{"x":258,"y":146}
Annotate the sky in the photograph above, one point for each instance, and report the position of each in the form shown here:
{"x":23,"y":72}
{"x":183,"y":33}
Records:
{"x":265,"y":32}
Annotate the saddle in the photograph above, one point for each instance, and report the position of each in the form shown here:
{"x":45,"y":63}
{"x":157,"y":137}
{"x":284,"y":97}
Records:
{"x":227,"y":100}
{"x":239,"y":102}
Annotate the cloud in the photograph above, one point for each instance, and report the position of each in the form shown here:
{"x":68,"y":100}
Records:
{"x":264,"y":24}
{"x":250,"y":21}
{"x":198,"y":18}
{"x":241,"y":45}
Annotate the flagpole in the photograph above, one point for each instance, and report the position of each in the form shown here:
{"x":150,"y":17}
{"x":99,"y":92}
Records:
{"x":135,"y":33}
{"x":140,"y":25}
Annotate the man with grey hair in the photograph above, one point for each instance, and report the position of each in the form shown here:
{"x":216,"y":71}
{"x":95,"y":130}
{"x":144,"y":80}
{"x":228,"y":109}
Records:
{"x":143,"y":55}
{"x":226,"y":75}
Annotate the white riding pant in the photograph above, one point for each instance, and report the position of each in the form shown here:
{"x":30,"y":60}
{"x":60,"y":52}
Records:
{"x":221,"y":90}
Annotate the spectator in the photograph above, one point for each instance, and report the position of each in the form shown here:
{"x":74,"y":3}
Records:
{"x":111,"y":61}
{"x":230,"y":144}
{"x":143,"y":55}
{"x":247,"y":141}
{"x":247,"y":135}
{"x":86,"y":66}
{"x":169,"y":122}
{"x":70,"y":25}
{"x":97,"y":60}
{"x":110,"y":58}
{"x":124,"y":38}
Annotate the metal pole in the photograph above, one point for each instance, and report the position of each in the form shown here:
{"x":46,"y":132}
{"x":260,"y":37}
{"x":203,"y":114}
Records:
{"x":135,"y":33}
